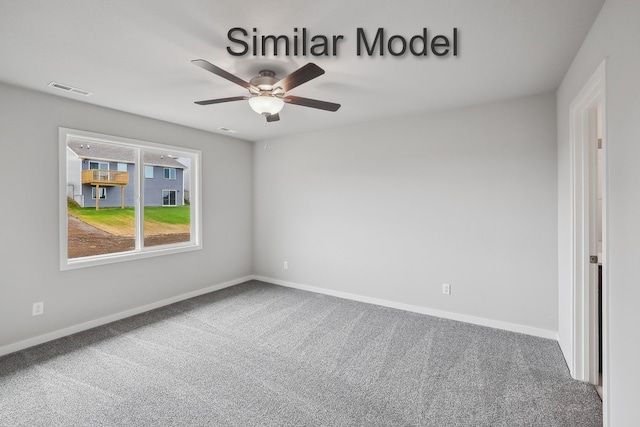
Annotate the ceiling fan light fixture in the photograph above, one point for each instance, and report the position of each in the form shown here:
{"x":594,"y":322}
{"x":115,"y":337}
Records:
{"x":266,"y":104}
{"x":267,"y":93}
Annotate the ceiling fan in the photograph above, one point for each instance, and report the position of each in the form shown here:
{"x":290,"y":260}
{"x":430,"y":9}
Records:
{"x":267,"y":93}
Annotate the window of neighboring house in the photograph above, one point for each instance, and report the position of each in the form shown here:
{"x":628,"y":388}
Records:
{"x":98,"y":165}
{"x":169,"y":197}
{"x":103,"y":192}
{"x":102,"y":171}
{"x":169,"y":173}
{"x":123,"y":230}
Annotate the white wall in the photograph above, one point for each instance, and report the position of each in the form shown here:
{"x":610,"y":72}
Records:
{"x":29,"y":249}
{"x":615,"y":36}
{"x":393,"y":209}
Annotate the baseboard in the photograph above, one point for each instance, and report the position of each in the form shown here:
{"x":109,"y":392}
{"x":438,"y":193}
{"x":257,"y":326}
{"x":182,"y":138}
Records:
{"x":566,"y":354}
{"x":507,"y":326}
{"x":21,"y":345}
{"x":41,"y":339}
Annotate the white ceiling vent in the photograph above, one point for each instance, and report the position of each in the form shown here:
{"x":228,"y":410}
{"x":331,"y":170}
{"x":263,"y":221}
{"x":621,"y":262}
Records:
{"x":70,"y":89}
{"x":228,"y":130}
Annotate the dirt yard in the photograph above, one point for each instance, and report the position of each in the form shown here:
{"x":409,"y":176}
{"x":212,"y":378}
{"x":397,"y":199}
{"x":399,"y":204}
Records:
{"x":86,"y":240}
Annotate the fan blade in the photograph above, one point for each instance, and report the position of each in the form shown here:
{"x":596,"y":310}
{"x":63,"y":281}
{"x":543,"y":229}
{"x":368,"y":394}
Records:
{"x":273,"y":117}
{"x":301,"y":75}
{"x":313,"y":103}
{"x":219,"y":100}
{"x":220,"y":72}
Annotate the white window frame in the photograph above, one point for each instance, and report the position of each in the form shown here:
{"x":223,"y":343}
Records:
{"x":93,"y":193}
{"x":122,"y":167}
{"x":140,"y":251}
{"x":148,"y":168}
{"x":172,"y":176}
{"x":99,"y":165}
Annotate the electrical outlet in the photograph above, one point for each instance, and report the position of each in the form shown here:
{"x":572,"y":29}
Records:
{"x":446,"y":289}
{"x":38,"y":308}
{"x":286,"y":265}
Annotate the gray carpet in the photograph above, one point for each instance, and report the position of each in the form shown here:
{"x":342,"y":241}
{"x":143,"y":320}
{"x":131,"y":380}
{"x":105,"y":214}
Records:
{"x":264,"y":355}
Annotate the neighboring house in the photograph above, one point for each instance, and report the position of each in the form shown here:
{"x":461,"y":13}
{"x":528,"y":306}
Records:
{"x":103,"y":175}
{"x":163,"y":180}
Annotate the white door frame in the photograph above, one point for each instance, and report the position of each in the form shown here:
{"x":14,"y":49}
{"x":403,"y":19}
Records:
{"x":583,"y":154}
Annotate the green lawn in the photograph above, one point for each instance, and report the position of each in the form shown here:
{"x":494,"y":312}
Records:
{"x":108,"y":216}
{"x":168,"y":214}
{"x":122,"y":221}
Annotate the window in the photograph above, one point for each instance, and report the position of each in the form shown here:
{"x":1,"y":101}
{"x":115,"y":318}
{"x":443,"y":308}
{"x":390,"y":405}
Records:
{"x":98,"y":165}
{"x":103,"y":172}
{"x":103,"y":192}
{"x":169,"y":173}
{"x":133,"y":221}
{"x":168,"y":197}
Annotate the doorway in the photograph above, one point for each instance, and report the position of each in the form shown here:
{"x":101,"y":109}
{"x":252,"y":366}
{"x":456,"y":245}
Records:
{"x":589,"y":233}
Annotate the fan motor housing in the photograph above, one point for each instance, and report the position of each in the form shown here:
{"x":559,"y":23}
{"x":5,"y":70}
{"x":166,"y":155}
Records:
{"x":265,"y":80}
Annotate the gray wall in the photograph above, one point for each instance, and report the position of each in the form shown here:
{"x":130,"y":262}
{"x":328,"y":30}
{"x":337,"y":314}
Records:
{"x":615,"y":35}
{"x":393,"y":209}
{"x":30,"y":247}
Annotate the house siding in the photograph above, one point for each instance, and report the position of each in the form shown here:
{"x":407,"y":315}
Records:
{"x":153,"y":187}
{"x":74,"y":180}
{"x":113,"y":193}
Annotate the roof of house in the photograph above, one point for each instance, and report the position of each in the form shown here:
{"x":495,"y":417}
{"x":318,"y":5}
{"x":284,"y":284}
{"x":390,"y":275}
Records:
{"x":117,"y":153}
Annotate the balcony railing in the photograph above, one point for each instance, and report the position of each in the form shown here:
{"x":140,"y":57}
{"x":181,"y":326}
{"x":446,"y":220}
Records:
{"x":104,"y":177}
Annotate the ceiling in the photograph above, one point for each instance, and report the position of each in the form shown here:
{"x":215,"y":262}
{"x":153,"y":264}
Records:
{"x":135,"y":56}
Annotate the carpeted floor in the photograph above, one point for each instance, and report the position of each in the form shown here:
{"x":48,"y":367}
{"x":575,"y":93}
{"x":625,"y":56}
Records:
{"x":263,"y":355}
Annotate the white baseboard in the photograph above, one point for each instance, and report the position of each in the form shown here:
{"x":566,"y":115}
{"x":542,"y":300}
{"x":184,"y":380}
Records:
{"x":513,"y":327}
{"x":507,"y":326}
{"x":21,"y":345}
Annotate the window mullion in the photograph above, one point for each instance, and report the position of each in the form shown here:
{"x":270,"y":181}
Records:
{"x":139,"y":202}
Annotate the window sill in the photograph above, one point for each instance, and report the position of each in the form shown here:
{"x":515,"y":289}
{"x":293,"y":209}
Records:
{"x":90,"y":261}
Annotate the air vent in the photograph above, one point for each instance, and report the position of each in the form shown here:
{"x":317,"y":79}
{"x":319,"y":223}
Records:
{"x":59,"y":86}
{"x":80,"y":91}
{"x":228,"y":130}
{"x":70,"y":89}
